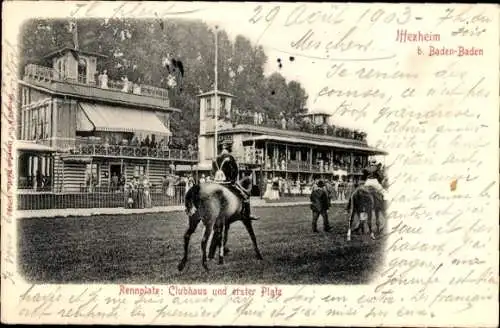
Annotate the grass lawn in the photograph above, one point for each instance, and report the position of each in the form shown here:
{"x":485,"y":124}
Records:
{"x":146,"y":248}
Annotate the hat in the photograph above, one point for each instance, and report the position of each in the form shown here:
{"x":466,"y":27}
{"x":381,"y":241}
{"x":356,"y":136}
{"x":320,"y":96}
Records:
{"x":320,"y":184}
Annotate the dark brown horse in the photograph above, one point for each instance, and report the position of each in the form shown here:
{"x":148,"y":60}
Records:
{"x":217,"y":207}
{"x":369,"y":200}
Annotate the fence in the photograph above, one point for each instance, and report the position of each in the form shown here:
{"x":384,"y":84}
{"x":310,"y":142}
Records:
{"x":99,"y":199}
{"x":109,"y":198}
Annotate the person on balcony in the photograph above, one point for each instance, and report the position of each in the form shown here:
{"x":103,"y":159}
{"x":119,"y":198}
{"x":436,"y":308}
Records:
{"x":135,"y":79}
{"x":125,"y":84}
{"x":104,"y":81}
{"x":226,"y":172}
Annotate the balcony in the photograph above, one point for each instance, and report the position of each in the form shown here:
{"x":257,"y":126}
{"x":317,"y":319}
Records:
{"x":300,"y":166}
{"x":301,"y":126}
{"x":116,"y":91}
{"x":117,"y":151}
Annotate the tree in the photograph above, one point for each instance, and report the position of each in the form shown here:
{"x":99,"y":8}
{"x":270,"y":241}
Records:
{"x":145,"y":43}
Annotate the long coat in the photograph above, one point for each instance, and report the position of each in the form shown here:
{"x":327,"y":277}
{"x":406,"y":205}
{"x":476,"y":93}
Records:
{"x":320,"y":202}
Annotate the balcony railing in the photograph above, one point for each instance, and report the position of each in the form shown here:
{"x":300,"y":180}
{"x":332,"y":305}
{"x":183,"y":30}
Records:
{"x":301,"y":126}
{"x":302,"y":166}
{"x":48,"y":74}
{"x":137,"y":152}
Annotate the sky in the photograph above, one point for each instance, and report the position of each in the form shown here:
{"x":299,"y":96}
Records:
{"x":302,"y":69}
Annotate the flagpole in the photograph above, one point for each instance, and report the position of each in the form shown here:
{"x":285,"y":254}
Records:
{"x":215,"y":94}
{"x":75,"y":35}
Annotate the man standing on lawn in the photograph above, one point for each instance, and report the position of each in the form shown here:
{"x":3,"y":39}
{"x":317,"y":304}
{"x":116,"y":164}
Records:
{"x":320,"y":203}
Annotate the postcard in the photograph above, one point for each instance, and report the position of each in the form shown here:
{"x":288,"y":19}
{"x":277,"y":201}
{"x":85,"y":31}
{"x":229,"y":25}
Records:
{"x":239,"y":163}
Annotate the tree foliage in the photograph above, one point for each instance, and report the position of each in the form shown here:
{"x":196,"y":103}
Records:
{"x":144,"y":43}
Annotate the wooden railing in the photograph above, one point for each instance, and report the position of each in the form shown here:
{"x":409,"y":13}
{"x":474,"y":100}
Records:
{"x":131,"y":151}
{"x":328,"y":130}
{"x":48,"y":74}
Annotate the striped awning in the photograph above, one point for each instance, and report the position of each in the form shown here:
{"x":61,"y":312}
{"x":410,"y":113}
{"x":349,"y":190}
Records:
{"x":119,"y":119}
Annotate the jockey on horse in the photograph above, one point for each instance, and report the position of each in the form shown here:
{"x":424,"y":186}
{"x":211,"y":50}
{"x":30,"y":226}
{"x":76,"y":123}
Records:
{"x":226,"y":172}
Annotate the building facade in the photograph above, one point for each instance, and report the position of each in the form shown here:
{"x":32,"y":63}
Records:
{"x":298,"y":150}
{"x":95,"y":132}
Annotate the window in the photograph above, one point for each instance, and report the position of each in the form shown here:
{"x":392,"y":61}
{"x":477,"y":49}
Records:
{"x":34,"y":125}
{"x":222,"y":107}
{"x":37,"y":123}
{"x":82,"y":70}
{"x":139,"y":170}
{"x":209,"y":108}
{"x":92,"y":175}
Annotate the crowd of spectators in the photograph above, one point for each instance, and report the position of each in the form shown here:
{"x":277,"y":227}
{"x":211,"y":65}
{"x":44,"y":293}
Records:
{"x":294,"y":124}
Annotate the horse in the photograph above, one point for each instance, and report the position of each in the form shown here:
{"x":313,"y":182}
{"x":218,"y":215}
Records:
{"x":367,"y":199}
{"x":217,"y":207}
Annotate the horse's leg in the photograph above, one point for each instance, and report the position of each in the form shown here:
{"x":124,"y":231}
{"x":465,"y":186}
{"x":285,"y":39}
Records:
{"x":226,"y":233}
{"x":204,"y":240}
{"x":371,"y":213}
{"x":351,"y":217}
{"x":248,"y":225}
{"x":217,"y":241}
{"x":193,"y":223}
{"x":213,"y":244}
{"x":222,"y":242}
{"x":351,"y":220}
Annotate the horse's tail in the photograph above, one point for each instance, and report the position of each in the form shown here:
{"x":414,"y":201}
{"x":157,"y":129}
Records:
{"x":192,"y":199}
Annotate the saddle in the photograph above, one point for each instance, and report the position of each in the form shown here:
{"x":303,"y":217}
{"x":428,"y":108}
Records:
{"x":238,"y":190}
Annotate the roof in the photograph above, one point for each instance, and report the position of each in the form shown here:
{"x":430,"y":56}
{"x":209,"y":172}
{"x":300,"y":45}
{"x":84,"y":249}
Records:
{"x":332,"y":144}
{"x":26,"y":145}
{"x":66,"y":49}
{"x":88,"y":92}
{"x":263,"y":130}
{"x":212,"y":92}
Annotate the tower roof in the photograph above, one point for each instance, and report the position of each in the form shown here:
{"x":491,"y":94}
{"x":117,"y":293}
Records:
{"x":61,"y":51}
